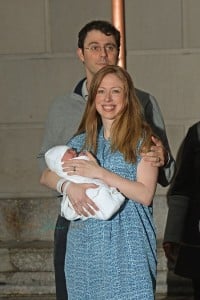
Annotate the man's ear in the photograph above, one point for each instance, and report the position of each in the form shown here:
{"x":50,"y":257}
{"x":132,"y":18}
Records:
{"x":80,"y":54}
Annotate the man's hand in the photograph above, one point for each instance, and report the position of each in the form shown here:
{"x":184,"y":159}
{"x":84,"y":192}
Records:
{"x":157,"y":155}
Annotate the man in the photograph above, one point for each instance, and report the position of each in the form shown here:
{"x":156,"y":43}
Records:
{"x":98,"y":45}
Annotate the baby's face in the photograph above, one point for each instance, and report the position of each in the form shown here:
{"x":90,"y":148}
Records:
{"x":69,"y":154}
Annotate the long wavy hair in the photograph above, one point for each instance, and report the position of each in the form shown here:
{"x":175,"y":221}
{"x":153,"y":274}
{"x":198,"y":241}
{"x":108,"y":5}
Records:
{"x":129,"y":126}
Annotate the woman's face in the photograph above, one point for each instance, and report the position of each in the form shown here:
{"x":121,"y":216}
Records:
{"x":110,"y":97}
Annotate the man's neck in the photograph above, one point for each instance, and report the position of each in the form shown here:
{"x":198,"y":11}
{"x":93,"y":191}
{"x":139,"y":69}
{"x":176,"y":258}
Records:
{"x":87,"y":85}
{"x":89,"y":77}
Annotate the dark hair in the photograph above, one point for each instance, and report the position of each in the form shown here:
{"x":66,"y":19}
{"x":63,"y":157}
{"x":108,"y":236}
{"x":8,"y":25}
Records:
{"x":104,"y":26}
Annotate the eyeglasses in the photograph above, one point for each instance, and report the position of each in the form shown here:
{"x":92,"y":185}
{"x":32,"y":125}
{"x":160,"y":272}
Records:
{"x":98,"y":49}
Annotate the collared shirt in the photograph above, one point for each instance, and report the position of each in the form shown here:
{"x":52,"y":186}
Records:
{"x":85,"y":90}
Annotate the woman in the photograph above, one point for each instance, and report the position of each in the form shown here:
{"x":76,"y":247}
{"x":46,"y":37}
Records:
{"x":113,"y":259}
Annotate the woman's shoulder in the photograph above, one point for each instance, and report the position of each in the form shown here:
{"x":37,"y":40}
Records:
{"x":77,"y":141}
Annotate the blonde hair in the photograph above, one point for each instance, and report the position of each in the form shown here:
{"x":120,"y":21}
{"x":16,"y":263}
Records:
{"x":128,"y":127}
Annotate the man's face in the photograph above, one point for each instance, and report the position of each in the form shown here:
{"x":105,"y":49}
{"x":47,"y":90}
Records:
{"x":99,"y":50}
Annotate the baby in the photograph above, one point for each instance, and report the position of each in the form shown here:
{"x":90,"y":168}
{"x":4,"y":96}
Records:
{"x":108,"y":199}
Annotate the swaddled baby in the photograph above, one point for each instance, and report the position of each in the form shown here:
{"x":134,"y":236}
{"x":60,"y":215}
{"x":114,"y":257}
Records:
{"x":108,"y":199}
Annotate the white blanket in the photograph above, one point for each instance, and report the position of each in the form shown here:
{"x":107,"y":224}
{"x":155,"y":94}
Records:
{"x":108,"y":199}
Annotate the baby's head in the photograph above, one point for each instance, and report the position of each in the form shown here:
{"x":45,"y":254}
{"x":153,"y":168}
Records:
{"x":54,"y":156}
{"x":69,"y":154}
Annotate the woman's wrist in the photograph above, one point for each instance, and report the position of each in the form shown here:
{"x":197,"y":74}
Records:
{"x":101,"y":173}
{"x":61,"y":185}
{"x":65,"y":186}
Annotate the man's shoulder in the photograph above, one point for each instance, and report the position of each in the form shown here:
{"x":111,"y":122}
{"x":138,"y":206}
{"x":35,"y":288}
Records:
{"x":73,"y":97}
{"x":142,"y":95}
{"x":67,"y":99}
{"x":67,"y":107}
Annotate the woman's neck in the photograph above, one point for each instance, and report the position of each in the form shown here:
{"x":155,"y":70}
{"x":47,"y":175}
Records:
{"x":106,"y":130}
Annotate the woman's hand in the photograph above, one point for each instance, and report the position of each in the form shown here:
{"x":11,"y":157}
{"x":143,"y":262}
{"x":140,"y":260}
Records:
{"x":87,"y":168}
{"x":81,"y":203}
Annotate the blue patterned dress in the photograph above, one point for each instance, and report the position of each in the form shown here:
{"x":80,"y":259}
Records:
{"x":114,"y":259}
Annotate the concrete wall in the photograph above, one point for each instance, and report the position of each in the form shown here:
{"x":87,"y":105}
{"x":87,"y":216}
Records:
{"x":38,"y":62}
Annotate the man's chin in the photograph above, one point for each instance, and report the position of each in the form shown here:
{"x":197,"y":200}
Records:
{"x":100,"y":66}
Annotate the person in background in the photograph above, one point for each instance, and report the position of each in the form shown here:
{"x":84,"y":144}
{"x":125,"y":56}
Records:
{"x":98,"y":46}
{"x":182,"y":233}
